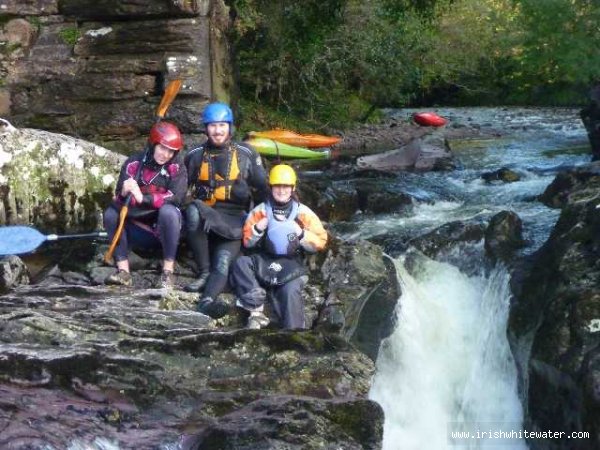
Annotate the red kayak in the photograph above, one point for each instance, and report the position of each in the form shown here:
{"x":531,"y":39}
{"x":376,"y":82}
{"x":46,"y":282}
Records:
{"x":429,"y":119}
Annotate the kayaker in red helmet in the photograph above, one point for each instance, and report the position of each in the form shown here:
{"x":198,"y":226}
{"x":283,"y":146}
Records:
{"x":156,"y":179}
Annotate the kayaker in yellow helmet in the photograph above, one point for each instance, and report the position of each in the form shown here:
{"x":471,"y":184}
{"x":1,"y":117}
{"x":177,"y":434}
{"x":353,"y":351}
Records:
{"x":283,"y":230}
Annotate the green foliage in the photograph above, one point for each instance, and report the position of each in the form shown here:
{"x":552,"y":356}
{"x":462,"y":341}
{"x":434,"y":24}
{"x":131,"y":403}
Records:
{"x":278,"y":46}
{"x":558,"y":55}
{"x":331,"y":61}
{"x":36,"y":22}
{"x":70,"y":35}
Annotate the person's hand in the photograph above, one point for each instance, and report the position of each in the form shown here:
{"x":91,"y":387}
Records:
{"x":130,"y":186}
{"x":262,"y":224}
{"x":297,"y":229}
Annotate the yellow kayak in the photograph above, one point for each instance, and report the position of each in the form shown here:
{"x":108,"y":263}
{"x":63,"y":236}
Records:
{"x":297,"y":139}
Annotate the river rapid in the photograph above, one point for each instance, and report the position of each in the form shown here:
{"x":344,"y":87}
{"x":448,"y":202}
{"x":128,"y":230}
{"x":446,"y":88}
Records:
{"x":447,"y":367}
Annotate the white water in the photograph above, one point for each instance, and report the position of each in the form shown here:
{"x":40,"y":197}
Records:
{"x":448,"y":360}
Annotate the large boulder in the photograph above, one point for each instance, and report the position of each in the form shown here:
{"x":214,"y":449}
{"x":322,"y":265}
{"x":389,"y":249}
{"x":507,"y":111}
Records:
{"x":570,"y":187}
{"x":54,"y":181}
{"x":556,"y":314}
{"x":422,"y":154}
{"x":340,"y":200}
{"x":91,"y":365}
{"x":590,"y":116}
{"x":362,"y":289}
{"x":504,"y":236}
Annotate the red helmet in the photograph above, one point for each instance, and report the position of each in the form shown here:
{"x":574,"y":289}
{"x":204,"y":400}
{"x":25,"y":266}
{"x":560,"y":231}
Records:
{"x":166,"y":134}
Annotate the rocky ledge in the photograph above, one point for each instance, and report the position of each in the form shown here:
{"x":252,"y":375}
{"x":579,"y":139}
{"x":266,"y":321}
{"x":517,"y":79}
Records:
{"x":84,"y":365}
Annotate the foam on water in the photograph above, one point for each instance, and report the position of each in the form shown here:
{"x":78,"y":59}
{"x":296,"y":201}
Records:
{"x":448,"y":360}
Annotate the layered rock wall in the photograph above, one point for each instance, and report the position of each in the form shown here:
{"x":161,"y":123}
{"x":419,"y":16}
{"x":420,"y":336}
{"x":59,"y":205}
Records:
{"x":96,"y":69}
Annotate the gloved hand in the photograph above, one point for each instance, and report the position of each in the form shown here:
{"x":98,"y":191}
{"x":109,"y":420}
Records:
{"x":298,"y":229}
{"x":262,"y":224}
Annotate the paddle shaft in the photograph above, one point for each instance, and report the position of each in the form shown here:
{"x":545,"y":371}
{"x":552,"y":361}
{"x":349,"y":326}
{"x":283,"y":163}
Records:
{"x":55,"y":237}
{"x":123,"y":216}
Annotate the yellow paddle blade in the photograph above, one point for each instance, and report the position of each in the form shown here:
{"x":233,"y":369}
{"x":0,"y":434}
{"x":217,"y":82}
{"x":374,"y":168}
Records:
{"x":170,"y":93}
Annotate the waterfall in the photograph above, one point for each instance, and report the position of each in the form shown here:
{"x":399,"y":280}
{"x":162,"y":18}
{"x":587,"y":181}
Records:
{"x":448,"y":366}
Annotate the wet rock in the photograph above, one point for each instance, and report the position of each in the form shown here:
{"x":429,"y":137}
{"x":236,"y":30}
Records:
{"x":341,"y":200}
{"x":109,"y":363}
{"x":283,"y":422}
{"x":572,"y":186}
{"x":13,"y":272}
{"x":447,"y":236}
{"x":362,"y":285}
{"x":331,"y":201}
{"x":133,"y":366}
{"x":590,"y":116}
{"x":504,"y":175}
{"x":556,"y":313}
{"x":504,"y":236}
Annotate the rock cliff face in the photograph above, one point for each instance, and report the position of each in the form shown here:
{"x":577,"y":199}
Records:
{"x":97,"y":69}
{"x":556,"y":316}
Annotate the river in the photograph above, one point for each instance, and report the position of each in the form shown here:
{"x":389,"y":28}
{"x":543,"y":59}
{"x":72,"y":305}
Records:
{"x":447,"y":366}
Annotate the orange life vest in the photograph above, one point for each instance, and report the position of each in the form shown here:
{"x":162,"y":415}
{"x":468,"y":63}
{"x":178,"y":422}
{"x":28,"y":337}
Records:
{"x":218,"y":188}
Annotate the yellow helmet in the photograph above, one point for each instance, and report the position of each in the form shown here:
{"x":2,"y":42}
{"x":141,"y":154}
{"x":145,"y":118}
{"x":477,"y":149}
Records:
{"x":282,"y":174}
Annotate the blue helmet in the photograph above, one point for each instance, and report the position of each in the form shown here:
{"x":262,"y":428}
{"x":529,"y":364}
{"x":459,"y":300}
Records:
{"x":217,"y":112}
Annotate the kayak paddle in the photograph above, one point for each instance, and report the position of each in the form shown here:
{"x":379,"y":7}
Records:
{"x":167,"y":98}
{"x":18,"y":239}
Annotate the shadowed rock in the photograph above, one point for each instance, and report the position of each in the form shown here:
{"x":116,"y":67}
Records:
{"x":105,"y":361}
{"x":556,"y":314}
{"x":504,"y":236}
{"x":139,"y":368}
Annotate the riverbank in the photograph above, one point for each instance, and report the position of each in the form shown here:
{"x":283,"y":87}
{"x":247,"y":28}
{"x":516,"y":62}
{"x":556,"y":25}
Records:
{"x":396,"y":130}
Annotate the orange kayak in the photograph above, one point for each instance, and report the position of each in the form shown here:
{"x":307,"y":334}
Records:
{"x":297,"y":139}
{"x":429,"y":119}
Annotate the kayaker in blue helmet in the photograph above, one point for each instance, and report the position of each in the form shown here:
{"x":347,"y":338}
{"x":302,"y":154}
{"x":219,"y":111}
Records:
{"x":224,"y":177}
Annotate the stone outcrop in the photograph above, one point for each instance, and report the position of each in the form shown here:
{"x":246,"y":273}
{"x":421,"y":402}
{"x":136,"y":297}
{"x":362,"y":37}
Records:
{"x":556,"y":316}
{"x":96,"y":70}
{"x":590,"y":116}
{"x":504,"y":175}
{"x":504,"y":236}
{"x":423,"y":154}
{"x":54,"y":181}
{"x":341,"y":199}
{"x":137,"y":368}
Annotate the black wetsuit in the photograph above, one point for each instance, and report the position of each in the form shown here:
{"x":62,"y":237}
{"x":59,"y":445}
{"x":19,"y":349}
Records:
{"x":156,"y":221}
{"x":214,"y":232}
